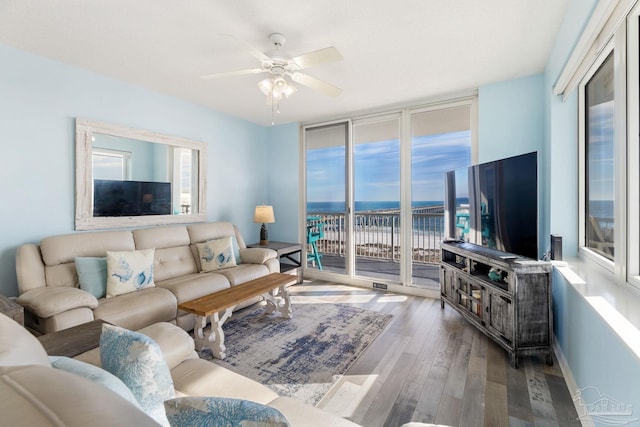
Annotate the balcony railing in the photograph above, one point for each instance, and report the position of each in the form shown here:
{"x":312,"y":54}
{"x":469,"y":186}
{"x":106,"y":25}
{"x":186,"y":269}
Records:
{"x":377,"y":234}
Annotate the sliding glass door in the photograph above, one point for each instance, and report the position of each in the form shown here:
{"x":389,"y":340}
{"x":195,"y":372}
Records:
{"x":440,"y":141}
{"x":374,"y":192}
{"x":376,"y":189}
{"x":326,"y":196}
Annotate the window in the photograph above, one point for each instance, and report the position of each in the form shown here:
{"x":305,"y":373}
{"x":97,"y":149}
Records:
{"x":375,"y":184}
{"x":599,"y":152}
{"x":609,"y":103}
{"x":111,"y":164}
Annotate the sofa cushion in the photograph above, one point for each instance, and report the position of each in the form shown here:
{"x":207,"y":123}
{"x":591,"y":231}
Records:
{"x":46,"y":302}
{"x":221,"y":412}
{"x":18,"y":346}
{"x":95,"y":374}
{"x":216,"y":254}
{"x":301,"y":414}
{"x":198,"y":377}
{"x":244,"y":273}
{"x":129,"y":271}
{"x":138,"y":309}
{"x":137,"y":360}
{"x":257,"y":255}
{"x":42,"y":396}
{"x":92,"y":275}
{"x":192,"y":286}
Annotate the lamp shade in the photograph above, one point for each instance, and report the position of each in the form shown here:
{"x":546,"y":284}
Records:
{"x":264,"y":215}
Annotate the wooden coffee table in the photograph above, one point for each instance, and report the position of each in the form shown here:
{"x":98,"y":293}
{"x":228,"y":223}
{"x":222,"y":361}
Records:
{"x":219,"y":305}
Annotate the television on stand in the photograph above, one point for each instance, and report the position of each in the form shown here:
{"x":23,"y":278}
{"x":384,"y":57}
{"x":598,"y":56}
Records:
{"x":495,"y":205}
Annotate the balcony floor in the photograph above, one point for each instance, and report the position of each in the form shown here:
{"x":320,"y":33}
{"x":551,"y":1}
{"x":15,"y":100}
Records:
{"x":424,"y":275}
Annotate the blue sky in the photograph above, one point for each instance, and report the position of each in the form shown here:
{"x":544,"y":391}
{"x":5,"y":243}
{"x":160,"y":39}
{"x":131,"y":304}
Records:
{"x":377,"y":168}
{"x":600,"y":151}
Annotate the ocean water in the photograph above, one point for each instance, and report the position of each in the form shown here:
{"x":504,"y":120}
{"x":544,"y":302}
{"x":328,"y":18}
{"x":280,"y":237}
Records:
{"x":314,"y":207}
{"x":601,"y":208}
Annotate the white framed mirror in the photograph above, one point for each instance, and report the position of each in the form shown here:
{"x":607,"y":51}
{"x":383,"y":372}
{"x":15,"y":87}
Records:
{"x":128,"y":177}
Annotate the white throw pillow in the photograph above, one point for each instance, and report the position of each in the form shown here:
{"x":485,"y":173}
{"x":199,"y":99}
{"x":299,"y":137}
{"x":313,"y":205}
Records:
{"x":129,"y":271}
{"x":216,"y":254}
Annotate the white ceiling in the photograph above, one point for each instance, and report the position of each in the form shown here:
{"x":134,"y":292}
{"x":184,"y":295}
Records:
{"x":395,"y":52}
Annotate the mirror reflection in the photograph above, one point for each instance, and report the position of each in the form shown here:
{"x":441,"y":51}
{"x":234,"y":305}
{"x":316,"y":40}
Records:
{"x":130,"y":177}
{"x":133,"y":177}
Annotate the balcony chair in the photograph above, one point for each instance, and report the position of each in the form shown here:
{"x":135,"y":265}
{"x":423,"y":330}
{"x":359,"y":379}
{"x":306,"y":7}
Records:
{"x":315,"y":232}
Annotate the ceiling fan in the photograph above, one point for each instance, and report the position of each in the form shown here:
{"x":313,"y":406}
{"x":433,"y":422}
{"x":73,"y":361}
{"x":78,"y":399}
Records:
{"x":282,"y":67}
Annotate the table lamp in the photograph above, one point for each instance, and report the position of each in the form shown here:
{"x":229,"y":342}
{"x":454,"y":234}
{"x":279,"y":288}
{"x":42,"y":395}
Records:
{"x":264,"y":215}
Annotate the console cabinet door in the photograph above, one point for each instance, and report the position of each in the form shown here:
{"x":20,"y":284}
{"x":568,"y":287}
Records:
{"x":500,"y":315}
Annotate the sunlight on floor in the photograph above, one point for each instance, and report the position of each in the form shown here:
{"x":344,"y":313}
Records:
{"x":329,"y":299}
{"x":346,"y":395}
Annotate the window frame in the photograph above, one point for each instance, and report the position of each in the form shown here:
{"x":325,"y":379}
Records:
{"x":625,"y":266}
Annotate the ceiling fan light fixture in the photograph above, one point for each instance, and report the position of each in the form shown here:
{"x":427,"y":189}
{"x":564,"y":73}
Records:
{"x":276,"y":88}
{"x":266,"y":86}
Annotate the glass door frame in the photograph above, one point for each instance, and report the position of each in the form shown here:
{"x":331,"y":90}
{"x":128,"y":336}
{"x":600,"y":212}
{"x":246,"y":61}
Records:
{"x":404,"y":115}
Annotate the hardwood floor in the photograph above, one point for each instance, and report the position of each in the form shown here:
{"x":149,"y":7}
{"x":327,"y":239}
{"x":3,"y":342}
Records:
{"x":432,"y":366}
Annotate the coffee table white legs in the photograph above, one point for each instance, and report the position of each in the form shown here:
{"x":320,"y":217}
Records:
{"x":277,"y":299}
{"x":273,"y":304}
{"x":215,"y":339}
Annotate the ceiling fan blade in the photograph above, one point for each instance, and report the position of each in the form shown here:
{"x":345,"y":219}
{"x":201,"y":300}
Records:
{"x":233,"y":73}
{"x":248,"y":48}
{"x":322,"y":56}
{"x":316,"y":84}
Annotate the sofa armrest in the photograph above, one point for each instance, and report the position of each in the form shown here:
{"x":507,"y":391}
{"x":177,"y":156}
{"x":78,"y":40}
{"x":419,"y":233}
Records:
{"x":46,"y":302}
{"x":257,"y":255}
{"x":29,"y":268}
{"x":176,"y":345}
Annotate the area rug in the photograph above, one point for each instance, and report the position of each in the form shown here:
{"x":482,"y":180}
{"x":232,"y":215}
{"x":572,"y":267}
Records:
{"x":301,"y":357}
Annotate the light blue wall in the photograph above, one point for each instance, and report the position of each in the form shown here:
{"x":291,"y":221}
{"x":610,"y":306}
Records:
{"x":511,"y":121}
{"x":283,"y":182}
{"x":596,"y":356}
{"x":39,"y":101}
{"x":561,"y":137}
{"x":510,"y":118}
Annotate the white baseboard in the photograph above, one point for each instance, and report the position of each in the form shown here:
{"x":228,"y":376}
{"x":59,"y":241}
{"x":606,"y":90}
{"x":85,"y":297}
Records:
{"x":585,"y":419}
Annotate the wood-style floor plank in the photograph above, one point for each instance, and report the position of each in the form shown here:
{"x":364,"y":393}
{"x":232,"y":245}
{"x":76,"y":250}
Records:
{"x":431,"y":365}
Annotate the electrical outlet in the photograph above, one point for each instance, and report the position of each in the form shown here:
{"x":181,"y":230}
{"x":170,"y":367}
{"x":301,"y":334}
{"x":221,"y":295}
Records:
{"x":377,"y":285}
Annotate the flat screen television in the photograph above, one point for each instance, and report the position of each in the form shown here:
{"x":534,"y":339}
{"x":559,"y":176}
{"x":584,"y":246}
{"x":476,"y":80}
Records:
{"x":495,"y":204}
{"x":131,"y":198}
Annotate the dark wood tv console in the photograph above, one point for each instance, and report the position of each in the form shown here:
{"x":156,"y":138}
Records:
{"x":505,"y":296}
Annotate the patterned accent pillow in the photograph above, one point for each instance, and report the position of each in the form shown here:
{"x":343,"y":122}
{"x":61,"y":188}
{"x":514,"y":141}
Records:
{"x":138,"y":361}
{"x":216,"y":254}
{"x":129,"y":271}
{"x":94,"y":374}
{"x":221,"y":412}
{"x":92,"y":275}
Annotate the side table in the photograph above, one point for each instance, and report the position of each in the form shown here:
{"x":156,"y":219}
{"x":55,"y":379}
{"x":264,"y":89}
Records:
{"x":73,"y":341}
{"x":12,"y":309}
{"x":286,"y":251}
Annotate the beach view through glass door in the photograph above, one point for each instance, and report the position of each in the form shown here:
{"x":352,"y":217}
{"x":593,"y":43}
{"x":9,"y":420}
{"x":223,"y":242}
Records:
{"x":376,"y":189}
{"x":440,"y":141}
{"x":373,"y":242}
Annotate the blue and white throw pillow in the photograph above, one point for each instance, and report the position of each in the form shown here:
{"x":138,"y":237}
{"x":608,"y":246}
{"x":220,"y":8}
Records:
{"x":129,"y":271}
{"x":138,"y":361}
{"x":216,"y":254}
{"x":221,"y":412}
{"x":94,"y":374}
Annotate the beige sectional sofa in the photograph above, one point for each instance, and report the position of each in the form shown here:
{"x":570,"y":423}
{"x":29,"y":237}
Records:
{"x":49,"y":287}
{"x":36,"y":394}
